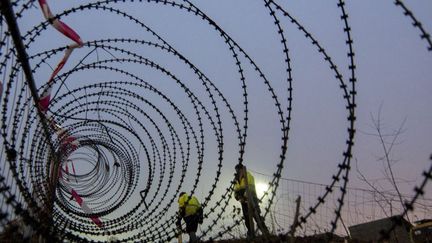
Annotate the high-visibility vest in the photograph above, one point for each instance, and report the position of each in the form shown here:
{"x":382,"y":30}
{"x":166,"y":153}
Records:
{"x":238,"y":186}
{"x":190,"y":206}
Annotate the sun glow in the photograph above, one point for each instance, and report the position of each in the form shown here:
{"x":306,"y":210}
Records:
{"x":260,"y":188}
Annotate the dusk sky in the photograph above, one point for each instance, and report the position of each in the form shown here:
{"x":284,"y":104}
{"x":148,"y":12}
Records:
{"x":393,"y":71}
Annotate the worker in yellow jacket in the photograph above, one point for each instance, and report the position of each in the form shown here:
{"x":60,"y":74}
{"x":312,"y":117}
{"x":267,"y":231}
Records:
{"x":244,"y":192}
{"x":191,"y":212}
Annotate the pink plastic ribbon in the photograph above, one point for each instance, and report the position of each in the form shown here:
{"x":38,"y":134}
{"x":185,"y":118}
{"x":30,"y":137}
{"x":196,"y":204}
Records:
{"x":67,"y":141}
{"x":59,"y":25}
{"x":80,"y":201}
{"x":71,"y":34}
{"x":70,"y":143}
{"x":85,"y":208}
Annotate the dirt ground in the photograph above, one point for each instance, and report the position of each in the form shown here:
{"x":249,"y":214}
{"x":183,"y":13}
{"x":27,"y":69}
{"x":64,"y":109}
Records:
{"x":283,"y":238}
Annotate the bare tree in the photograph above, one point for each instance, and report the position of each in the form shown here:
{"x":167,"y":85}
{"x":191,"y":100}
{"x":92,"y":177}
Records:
{"x":387,"y":140}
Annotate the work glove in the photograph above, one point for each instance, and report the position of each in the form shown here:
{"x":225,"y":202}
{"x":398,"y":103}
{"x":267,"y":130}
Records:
{"x":239,"y":195}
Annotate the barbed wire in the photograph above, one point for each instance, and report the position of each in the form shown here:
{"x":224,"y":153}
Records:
{"x":136,"y":143}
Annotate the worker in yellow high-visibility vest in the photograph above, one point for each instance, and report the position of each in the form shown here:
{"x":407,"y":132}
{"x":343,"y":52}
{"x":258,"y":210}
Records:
{"x":244,"y":192}
{"x":191,"y":212}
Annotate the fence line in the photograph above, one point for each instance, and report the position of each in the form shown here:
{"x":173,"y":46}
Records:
{"x":361,"y":205}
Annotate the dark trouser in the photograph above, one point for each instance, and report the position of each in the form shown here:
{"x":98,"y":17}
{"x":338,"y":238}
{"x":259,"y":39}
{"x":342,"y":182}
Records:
{"x":255,"y":214}
{"x":192,"y":226}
